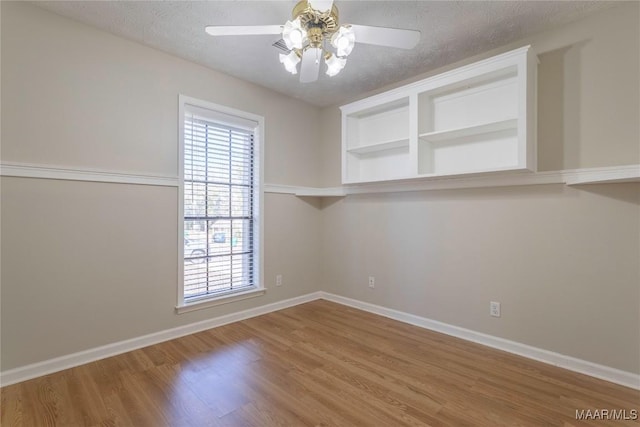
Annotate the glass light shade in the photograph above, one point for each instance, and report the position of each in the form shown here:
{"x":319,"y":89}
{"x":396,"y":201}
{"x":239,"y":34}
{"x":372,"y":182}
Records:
{"x":290,"y":62}
{"x":343,"y":40}
{"x":334,"y":65}
{"x":293,"y":34}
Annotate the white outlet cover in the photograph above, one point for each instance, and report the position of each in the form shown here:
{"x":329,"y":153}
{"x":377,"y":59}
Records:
{"x":494,"y":309}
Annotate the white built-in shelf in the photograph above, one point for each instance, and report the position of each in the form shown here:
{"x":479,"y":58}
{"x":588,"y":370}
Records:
{"x":453,"y":134}
{"x":473,"y":119}
{"x":380,"y":146}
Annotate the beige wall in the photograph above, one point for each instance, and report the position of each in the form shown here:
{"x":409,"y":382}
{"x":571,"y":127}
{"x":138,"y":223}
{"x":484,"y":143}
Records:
{"x":87,"y":264}
{"x":562,"y":261}
{"x":75,"y":96}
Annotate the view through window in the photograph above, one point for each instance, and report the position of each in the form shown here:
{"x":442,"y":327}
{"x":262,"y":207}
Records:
{"x":219,"y":204}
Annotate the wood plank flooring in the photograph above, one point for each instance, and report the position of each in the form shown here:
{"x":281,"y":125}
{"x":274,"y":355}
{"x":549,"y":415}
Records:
{"x":316,"y":364}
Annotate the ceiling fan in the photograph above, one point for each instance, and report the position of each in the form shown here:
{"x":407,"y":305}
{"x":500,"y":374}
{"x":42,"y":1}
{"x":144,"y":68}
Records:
{"x":314,"y":27}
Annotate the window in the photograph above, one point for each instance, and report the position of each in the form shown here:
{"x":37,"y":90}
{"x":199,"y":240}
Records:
{"x":220,"y":202}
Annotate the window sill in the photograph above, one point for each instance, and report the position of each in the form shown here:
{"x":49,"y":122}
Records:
{"x":219,"y":300}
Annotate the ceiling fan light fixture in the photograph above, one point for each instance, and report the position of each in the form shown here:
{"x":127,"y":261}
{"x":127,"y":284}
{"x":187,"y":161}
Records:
{"x":343,"y":40}
{"x":314,"y":24}
{"x":334,"y":64}
{"x":293,"y":34}
{"x":290,"y":61}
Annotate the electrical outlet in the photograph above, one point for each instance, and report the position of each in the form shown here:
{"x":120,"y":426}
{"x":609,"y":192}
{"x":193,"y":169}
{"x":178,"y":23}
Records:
{"x":372,"y":282}
{"x":494,"y":309}
{"x":279,"y":280}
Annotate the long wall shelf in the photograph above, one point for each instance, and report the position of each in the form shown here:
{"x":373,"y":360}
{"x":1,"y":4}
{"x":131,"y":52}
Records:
{"x":610,"y":175}
{"x":602,"y":175}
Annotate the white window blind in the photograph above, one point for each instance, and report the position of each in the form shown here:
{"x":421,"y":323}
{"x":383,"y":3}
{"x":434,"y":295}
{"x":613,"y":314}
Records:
{"x":219,"y":205}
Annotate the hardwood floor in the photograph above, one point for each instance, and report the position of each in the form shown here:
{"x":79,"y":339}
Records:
{"x":316,"y":364}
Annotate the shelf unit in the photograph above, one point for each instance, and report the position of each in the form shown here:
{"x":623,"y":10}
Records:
{"x":474,"y":119}
{"x":376,"y":141}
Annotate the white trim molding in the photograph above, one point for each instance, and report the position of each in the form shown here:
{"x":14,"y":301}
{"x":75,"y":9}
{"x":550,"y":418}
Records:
{"x":30,"y":170}
{"x":627,"y":379}
{"x":281,"y":189}
{"x":612,"y":174}
{"x":600,"y":175}
{"x":76,"y":359}
{"x":305,"y":191}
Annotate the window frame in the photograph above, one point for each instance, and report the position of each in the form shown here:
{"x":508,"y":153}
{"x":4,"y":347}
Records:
{"x":258,"y":246}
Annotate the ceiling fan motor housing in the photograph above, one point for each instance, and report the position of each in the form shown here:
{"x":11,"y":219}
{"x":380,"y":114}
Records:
{"x":318,"y":25}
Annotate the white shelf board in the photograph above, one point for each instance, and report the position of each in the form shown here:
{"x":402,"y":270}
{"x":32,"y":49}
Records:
{"x":603,"y":175}
{"x":452,"y":134}
{"x":305,"y":191}
{"x":380,"y":146}
{"x":321,"y":192}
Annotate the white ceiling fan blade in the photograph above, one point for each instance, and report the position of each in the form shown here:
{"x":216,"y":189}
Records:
{"x":310,"y":65}
{"x":321,"y":5}
{"x":242,"y":30}
{"x":382,"y":36}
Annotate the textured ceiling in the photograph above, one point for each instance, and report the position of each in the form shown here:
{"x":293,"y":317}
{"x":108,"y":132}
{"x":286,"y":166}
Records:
{"x":451,"y":31}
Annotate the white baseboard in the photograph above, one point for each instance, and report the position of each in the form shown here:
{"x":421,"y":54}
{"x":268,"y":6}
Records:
{"x":617,"y":376}
{"x":69,"y":361}
{"x":27,"y":372}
